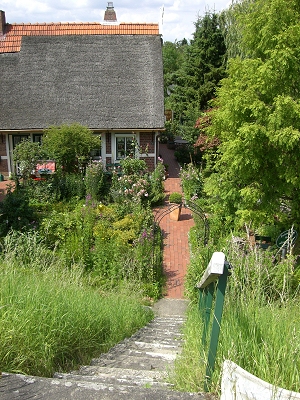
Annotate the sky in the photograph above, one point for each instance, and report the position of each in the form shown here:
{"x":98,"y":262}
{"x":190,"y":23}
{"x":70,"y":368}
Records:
{"x":176,"y":17}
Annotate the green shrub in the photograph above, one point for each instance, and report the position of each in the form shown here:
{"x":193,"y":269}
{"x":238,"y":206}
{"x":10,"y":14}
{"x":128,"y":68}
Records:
{"x":16,"y":212}
{"x":175,"y":197}
{"x":157,"y":178}
{"x":133,"y":166}
{"x":131,"y":189}
{"x":192,"y":181}
{"x":41,"y":192}
{"x":95,"y":180}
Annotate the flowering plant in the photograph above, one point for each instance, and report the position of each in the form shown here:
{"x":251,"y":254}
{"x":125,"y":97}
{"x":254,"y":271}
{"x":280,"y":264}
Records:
{"x":130,"y":188}
{"x":94,"y":179}
{"x":192,"y":181}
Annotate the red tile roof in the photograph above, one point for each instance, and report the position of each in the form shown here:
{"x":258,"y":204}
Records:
{"x":10,"y":42}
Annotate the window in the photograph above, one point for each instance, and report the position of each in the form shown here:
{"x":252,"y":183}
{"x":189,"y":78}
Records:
{"x":125,"y":146}
{"x":18,"y":138}
{"x":96,"y":154}
{"x":37,"y":138}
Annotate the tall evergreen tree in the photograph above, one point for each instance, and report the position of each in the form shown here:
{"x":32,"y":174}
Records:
{"x":201,"y":71}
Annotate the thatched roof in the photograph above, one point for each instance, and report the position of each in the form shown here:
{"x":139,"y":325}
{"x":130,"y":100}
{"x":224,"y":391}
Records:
{"x":101,"y":81}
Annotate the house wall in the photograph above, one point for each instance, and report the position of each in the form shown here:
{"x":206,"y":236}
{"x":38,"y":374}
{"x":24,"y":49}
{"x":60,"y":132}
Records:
{"x":147,"y":141}
{"x":150,"y":161}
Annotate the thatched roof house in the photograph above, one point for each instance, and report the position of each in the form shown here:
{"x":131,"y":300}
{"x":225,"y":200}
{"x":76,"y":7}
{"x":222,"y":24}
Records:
{"x":107,"y":76}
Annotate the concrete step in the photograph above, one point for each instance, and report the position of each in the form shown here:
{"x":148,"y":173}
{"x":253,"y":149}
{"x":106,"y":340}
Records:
{"x":137,"y":368}
{"x":142,"y":362}
{"x":118,"y":376}
{"x":94,"y":370}
{"x":134,"y":348}
{"x":174,"y":339}
{"x":25,"y":387}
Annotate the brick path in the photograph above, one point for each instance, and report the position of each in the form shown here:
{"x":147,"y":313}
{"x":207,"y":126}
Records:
{"x":175,"y":233}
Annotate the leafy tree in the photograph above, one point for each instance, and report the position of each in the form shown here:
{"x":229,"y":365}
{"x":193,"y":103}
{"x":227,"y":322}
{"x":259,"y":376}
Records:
{"x":26,"y":155}
{"x":257,"y":119}
{"x":70,"y":145}
{"x":232,"y":29}
{"x":202,"y":69}
{"x":173,"y":57}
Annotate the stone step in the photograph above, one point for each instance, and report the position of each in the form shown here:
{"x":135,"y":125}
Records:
{"x":94,"y":370}
{"x":137,"y":368}
{"x":157,"y":337}
{"x":143,"y":362}
{"x":16,"y":386}
{"x":165,"y":353}
{"x":145,"y":346}
{"x":160,"y":321}
{"x":118,"y":376}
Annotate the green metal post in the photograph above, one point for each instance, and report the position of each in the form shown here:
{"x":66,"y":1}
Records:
{"x":207,"y":311}
{"x":216,"y":327}
{"x":202,"y":296}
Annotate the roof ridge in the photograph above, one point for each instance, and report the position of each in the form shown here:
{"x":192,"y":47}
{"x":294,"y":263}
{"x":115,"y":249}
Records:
{"x":12,"y":38}
{"x":77,"y":23}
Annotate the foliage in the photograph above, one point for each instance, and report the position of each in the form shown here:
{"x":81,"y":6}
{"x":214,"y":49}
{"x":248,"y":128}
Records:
{"x":232,"y":28}
{"x":130,"y":189}
{"x":95,"y":182}
{"x":261,"y":294}
{"x":68,"y":186}
{"x":126,"y":248}
{"x":107,"y":242}
{"x":52,"y":320}
{"x":202,"y":68}
{"x":16,"y":212}
{"x":184,"y":154}
{"x":192,"y":181}
{"x":133,"y":166}
{"x":256,"y":175}
{"x":157,"y":178}
{"x":41,"y":192}
{"x":71,"y":233}
{"x":70,"y":146}
{"x":175,"y":197}
{"x":168,"y":134}
{"x":26,"y":154}
{"x":173,"y":57}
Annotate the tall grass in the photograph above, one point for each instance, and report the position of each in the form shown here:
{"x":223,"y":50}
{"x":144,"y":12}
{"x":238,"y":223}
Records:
{"x":51,"y":319}
{"x":260,"y":329}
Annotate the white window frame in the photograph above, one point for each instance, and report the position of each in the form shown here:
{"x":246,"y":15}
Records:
{"x":125,"y":136}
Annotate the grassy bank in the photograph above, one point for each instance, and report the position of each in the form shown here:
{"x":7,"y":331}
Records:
{"x":52,"y":320}
{"x":260,"y":329}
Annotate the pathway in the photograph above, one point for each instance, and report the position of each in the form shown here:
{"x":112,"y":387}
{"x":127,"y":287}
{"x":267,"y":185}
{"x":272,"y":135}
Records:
{"x":175,"y":233}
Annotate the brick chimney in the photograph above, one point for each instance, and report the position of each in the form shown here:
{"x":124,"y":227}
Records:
{"x":110,"y":14}
{"x":2,"y":22}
